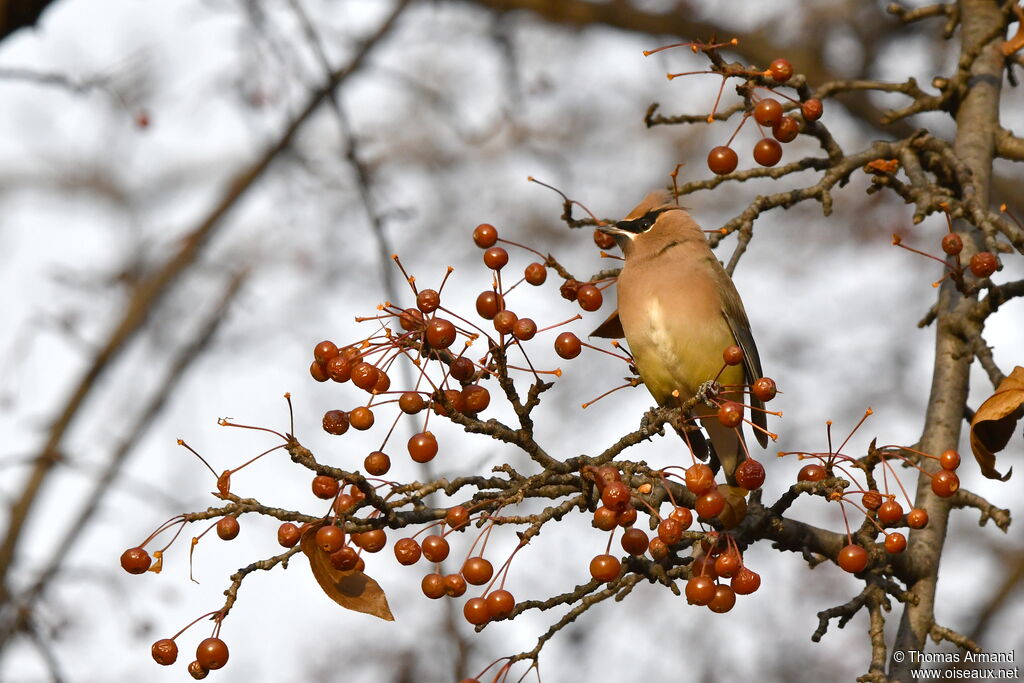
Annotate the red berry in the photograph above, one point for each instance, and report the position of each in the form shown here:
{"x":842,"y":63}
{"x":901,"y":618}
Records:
{"x":945,"y":483}
{"x":227,"y":528}
{"x":605,"y":519}
{"x":361,"y":418}
{"x":456,"y":517}
{"x":603,"y":240}
{"x":730,"y":414}
{"x":780,"y":70}
{"x":318,"y":371}
{"x":422,"y":447}
{"x":454,"y":585}
{"x":485,"y":235}
{"x":364,"y":376}
{"x":432,"y":586}
{"x":917,"y":518}
{"x":325,"y":487}
{"x":536,"y":274}
{"x":427,"y":300}
{"x":411,"y":402}
{"x":339,"y":369}
{"x":476,"y":398}
{"x":682,"y":515}
{"x":440,"y":334}
{"x":853,"y":558}
{"x":330,"y":538}
{"x":462,"y":369}
{"x":732,"y":355}
{"x":288,"y":535}
{"x":589,"y":298}
{"x":605,"y":567}
{"x":568,"y":345}
{"x":786,"y":129}
{"x":768,"y":111}
{"x":335,"y":422}
{"x":722,"y":160}
{"x":407,"y":551}
{"x":890,"y":512}
{"x":410,"y":319}
{"x":710,"y":504}
{"x":377,"y":463}
{"x":500,"y":604}
{"x":435,"y":548}
{"x":699,"y":479}
{"x":670,"y":531}
{"x":723,"y":600}
{"x":524,"y":329}
{"x":704,"y":566}
{"x":372,"y":541}
{"x":767,"y":152}
{"x":505,"y":322}
{"x":626,"y":517}
{"x":812,"y":109}
{"x":324,"y":351}
{"x":952,"y":244}
{"x":477,"y":570}
{"x":606,"y":475}
{"x":811,"y":472}
{"x":488,"y":303}
{"x":164,"y":652}
{"x":475,"y":611}
{"x":659,"y":551}
{"x":750,"y":474}
{"x":764,"y":389}
{"x":745,"y":582}
{"x":616,"y":496}
{"x":700,"y":590}
{"x":344,"y":503}
{"x":495,"y":258}
{"x":136,"y":561}
{"x":895,"y":542}
{"x":345,"y":559}
{"x":983,"y":264}
{"x":634,"y":541}
{"x":950,"y":460}
{"x":212,"y":653}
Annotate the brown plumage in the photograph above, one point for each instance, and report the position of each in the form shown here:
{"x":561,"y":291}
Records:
{"x":679,"y":310}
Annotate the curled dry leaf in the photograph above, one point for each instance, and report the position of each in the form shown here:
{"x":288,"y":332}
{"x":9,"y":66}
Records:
{"x":995,"y":422}
{"x":735,"y":505}
{"x":351,"y":589}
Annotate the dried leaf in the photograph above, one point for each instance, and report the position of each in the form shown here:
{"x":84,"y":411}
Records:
{"x":995,"y":422}
{"x":351,"y":589}
{"x":735,"y":505}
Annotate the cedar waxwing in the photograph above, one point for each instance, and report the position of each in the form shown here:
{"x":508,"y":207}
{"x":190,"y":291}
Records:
{"x":679,"y":310}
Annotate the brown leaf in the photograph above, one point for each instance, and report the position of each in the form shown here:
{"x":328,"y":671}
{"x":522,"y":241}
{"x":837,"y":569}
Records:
{"x":995,"y":421}
{"x":351,"y":589}
{"x":735,"y":505}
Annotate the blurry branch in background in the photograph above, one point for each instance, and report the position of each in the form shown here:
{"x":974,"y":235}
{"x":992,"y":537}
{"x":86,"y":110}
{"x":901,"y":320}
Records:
{"x":151,"y":290}
{"x":17,"y":615}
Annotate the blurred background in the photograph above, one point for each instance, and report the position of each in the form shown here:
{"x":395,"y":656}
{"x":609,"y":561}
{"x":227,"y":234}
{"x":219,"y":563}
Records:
{"x":193,"y":194}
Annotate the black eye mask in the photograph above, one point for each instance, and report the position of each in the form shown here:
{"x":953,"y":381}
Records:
{"x":644,"y":223}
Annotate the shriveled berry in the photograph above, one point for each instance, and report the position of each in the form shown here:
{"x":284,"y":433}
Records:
{"x":422,"y":447}
{"x":659,"y":551}
{"x":945,"y":483}
{"x":212,"y":653}
{"x":605,"y":567}
{"x":485,"y":235}
{"x":325,"y":487}
{"x":488,"y":303}
{"x":477,"y":570}
{"x":500,"y":604}
{"x":780,"y":70}
{"x":197,"y":671}
{"x":407,"y":551}
{"x":136,"y":561}
{"x":361,"y":418}
{"x":811,"y":472}
{"x":895,"y":542}
{"x":983,"y":264}
{"x":917,"y":518}
{"x":330,"y":538}
{"x":710,"y":504}
{"x":722,"y":160}
{"x":344,"y":559}
{"x":568,"y":345}
{"x":364,"y":376}
{"x":634,"y":541}
{"x":164,"y":651}
{"x":786,"y":129}
{"x":475,"y":611}
{"x":723,"y":600}
{"x":853,"y":558}
{"x":569,"y":289}
{"x":427,"y":300}
{"x":383,"y":383}
{"x":670,"y":531}
{"x":871,"y":500}
{"x":605,"y":518}
{"x":616,"y":496}
{"x":699,"y":479}
{"x":435,"y":548}
{"x":536,"y":274}
{"x":432,"y":586}
{"x":627,"y":517}
{"x":700,"y":590}
{"x":335,"y":422}
{"x":750,"y":474}
{"x":505,"y":321}
{"x":745,"y":582}
{"x":589,"y":298}
{"x":339,"y":369}
{"x":768,"y":111}
{"x":952,"y":244}
{"x":949,"y":460}
{"x":812,"y":109}
{"x":377,"y":463}
{"x":441,"y":333}
{"x":228,"y":528}
{"x":603,"y":240}
{"x":767,"y":152}
{"x":288,"y":535}
{"x":764,"y":389}
{"x":606,"y":475}
{"x":730,"y":414}
{"x":495,"y":258}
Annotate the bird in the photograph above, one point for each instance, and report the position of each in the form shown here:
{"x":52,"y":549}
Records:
{"x":678,"y":310}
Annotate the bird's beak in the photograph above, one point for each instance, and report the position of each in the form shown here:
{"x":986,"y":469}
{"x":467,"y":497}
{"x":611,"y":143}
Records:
{"x":612,"y":229}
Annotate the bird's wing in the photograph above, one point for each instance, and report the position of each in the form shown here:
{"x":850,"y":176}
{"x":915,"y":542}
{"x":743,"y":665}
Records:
{"x":610,"y":328}
{"x":732,"y":308}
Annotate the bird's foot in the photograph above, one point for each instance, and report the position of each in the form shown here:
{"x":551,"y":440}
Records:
{"x":707,"y":391}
